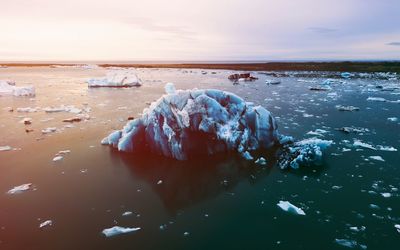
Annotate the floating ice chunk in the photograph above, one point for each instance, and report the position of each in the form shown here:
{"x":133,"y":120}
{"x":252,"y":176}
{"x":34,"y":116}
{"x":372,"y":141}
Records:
{"x":170,"y":88}
{"x":195,"y":122}
{"x":246,"y":155}
{"x":27,"y":110}
{"x":46,"y":223}
{"x":116,"y":230}
{"x":358,"y":143}
{"x":376,"y":158}
{"x":127,"y":213}
{"x":8,"y":87}
{"x":347,"y":108}
{"x":386,"y":148}
{"x":5,"y":148}
{"x":63,"y":108}
{"x":397,"y":226}
{"x":58,"y":158}
{"x":373,"y":206}
{"x":289,"y":207}
{"x":116,"y":78}
{"x":346,"y":243}
{"x":386,"y":195}
{"x":317,"y":132}
{"x":159,"y":182}
{"x":20,"y":188}
{"x":376,"y":99}
{"x":393,"y":119}
{"x":261,"y":161}
{"x":49,"y":130}
{"x":303,"y":153}
{"x":346,"y":75}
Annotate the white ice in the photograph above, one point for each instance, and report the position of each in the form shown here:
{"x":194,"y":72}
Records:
{"x":20,"y":188}
{"x":289,"y":207}
{"x":8,"y":87}
{"x":376,"y":158}
{"x":220,"y":120}
{"x":5,"y":148}
{"x":116,"y":230}
{"x":46,"y":223}
{"x":116,"y":78}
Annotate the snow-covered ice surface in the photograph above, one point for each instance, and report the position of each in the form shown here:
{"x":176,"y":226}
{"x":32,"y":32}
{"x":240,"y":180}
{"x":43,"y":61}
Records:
{"x":8,"y":87}
{"x":349,"y":198}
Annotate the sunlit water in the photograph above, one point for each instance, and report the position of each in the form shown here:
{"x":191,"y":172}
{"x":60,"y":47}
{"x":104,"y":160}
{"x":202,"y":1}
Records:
{"x":219,"y":203}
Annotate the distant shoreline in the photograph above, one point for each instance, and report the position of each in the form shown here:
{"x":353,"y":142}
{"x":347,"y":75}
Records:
{"x":350,"y":66}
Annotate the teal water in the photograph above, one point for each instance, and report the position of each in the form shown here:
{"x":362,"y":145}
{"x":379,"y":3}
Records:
{"x":217,"y":203}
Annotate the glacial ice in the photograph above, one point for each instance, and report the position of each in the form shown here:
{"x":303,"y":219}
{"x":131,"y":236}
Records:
{"x":116,"y":78}
{"x":5,"y":148}
{"x":289,"y":207}
{"x":303,"y":153}
{"x":8,"y":87}
{"x":397,"y":226}
{"x":187,"y":123}
{"x":20,"y":188}
{"x":116,"y":230}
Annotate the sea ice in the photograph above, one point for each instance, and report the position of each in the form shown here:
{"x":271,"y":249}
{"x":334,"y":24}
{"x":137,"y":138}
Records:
{"x":58,"y":158}
{"x":376,"y":158}
{"x":5,"y":148}
{"x":20,"y":188}
{"x":116,"y":78}
{"x":346,"y":243}
{"x":116,"y":230}
{"x":289,"y":207}
{"x":46,"y":223}
{"x":8,"y":87}
{"x":127,"y":213}
{"x":195,"y":122}
{"x":397,"y":226}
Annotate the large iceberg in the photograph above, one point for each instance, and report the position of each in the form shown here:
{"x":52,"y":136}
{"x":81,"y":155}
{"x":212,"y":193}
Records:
{"x":184,"y":124}
{"x":8,"y":87}
{"x":116,"y":78}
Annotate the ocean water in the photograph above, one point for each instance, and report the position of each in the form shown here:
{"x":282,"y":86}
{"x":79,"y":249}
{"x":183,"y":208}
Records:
{"x":351,"y":200}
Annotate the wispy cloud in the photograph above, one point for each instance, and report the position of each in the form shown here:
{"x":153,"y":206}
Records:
{"x":148,"y":24}
{"x":393,"y":44}
{"x":322,"y":30}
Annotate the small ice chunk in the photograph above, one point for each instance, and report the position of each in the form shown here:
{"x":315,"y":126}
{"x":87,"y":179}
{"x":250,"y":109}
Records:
{"x":288,"y":207}
{"x":49,"y":130}
{"x":116,"y":230}
{"x":397,"y":226}
{"x":376,"y":158}
{"x":346,"y":243}
{"x":261,"y":161}
{"x":159,"y":182}
{"x":246,"y":155}
{"x":386,"y":148}
{"x":58,"y":158}
{"x":358,"y":143}
{"x":170,"y":88}
{"x":46,"y":223}
{"x":116,"y":78}
{"x":127,"y":213}
{"x":393,"y":119}
{"x":386,"y":195}
{"x":20,"y":188}
{"x":5,"y":148}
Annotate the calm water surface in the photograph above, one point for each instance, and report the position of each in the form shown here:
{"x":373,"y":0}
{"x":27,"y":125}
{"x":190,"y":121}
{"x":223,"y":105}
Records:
{"x":218,"y":203}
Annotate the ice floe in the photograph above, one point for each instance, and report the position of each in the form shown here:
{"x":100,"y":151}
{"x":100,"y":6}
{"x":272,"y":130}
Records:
{"x":306,"y":152}
{"x":8,"y":87}
{"x":116,"y":78}
{"x":376,"y":158}
{"x":397,"y":226}
{"x":198,"y":122}
{"x":46,"y":223}
{"x":289,"y":207}
{"x":20,"y":188}
{"x":5,"y":148}
{"x":116,"y":230}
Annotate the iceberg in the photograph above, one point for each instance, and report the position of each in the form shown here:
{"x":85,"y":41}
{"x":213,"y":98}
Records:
{"x":108,"y":232}
{"x":184,"y":124}
{"x":116,"y":79}
{"x":289,"y":207}
{"x":8,"y":87}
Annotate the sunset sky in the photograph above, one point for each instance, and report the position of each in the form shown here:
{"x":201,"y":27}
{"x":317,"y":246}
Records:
{"x":199,"y":30}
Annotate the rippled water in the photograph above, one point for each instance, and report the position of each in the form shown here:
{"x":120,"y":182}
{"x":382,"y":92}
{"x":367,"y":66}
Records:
{"x":219,"y":203}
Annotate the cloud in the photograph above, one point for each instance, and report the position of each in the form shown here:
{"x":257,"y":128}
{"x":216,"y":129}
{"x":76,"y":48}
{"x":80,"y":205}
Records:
{"x":322,"y":30}
{"x":393,"y":44}
{"x":147,"y":24}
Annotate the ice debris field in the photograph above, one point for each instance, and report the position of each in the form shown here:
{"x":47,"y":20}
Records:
{"x":312,"y":150}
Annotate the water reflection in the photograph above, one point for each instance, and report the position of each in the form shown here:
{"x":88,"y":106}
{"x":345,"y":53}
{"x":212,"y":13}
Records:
{"x":181,"y":184}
